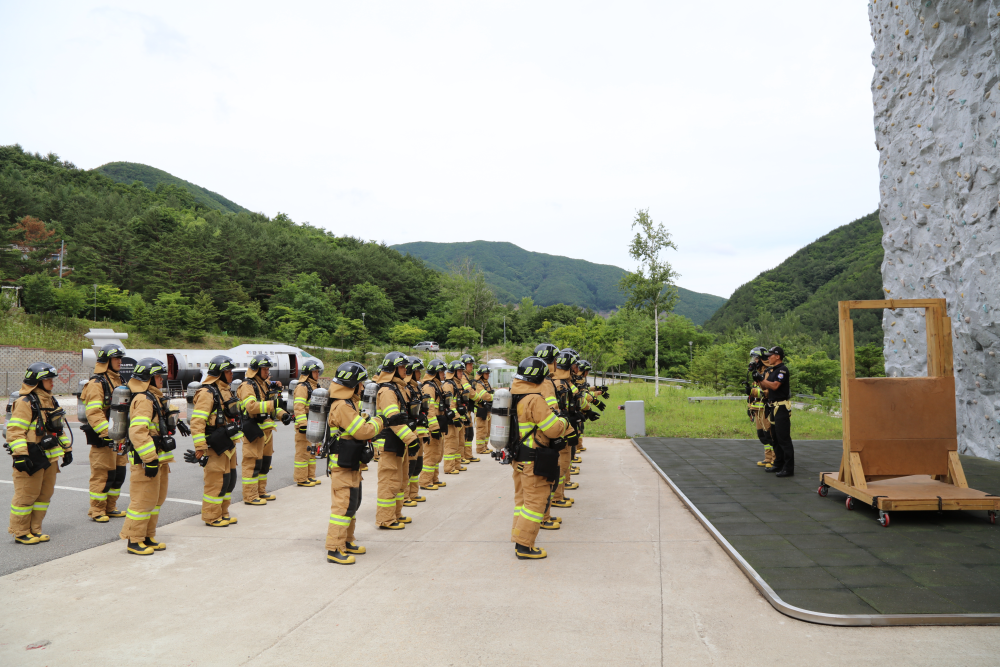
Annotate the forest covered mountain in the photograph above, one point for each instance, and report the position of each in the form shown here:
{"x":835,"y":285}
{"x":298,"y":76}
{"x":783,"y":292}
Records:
{"x":152,"y":178}
{"x":844,"y":264}
{"x":515,"y":273}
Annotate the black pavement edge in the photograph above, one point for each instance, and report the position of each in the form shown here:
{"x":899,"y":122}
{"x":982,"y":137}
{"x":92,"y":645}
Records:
{"x":849,"y":620}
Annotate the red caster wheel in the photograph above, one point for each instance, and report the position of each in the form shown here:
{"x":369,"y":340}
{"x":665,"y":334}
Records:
{"x":850,"y":503}
{"x":823,"y":490}
{"x":993,"y":516}
{"x":883,"y":518}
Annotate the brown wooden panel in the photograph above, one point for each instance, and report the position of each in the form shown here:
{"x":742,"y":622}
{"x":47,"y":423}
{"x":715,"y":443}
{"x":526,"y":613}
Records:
{"x":904,"y":457}
{"x":921,"y":408}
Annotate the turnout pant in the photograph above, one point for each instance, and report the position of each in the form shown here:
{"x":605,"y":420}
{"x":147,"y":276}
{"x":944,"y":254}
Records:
{"x":453,"y":447}
{"x":220,"y":480}
{"x":32,"y":494}
{"x":305,"y":465}
{"x":483,"y":434}
{"x":467,"y":436}
{"x":764,"y":434}
{"x":531,"y":503}
{"x":253,"y":459}
{"x":564,"y":462}
{"x":345,"y":495}
{"x":107,"y":475}
{"x":146,"y":495}
{"x":415,"y":464}
{"x":265,"y":462}
{"x":781,"y":436}
{"x":432,"y":462}
{"x":392,"y":478}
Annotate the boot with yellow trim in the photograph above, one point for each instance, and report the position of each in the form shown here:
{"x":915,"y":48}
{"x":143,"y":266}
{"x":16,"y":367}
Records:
{"x":420,"y":499}
{"x":462,"y":468}
{"x":340,"y":558}
{"x":364,"y":467}
{"x":218,"y":523}
{"x":564,"y":503}
{"x":257,"y":502}
{"x":308,"y":483}
{"x":409,"y":503}
{"x":395,"y":525}
{"x":451,"y":472}
{"x":529,"y":553}
{"x":270,"y":497}
{"x":550,"y":525}
{"x":139,"y":549}
{"x":574,"y":471}
{"x":473,"y":460}
{"x":157,"y":546}
{"x":116,"y":514}
{"x":441,"y":485}
{"x":463,"y":461}
{"x":354,"y":548}
{"x":315,"y":482}
{"x":27,"y":538}
{"x":404,"y":519}
{"x":429,"y":487}
{"x":576,"y":460}
{"x":102,"y":518}
{"x":42,"y":538}
{"x":571,"y":485}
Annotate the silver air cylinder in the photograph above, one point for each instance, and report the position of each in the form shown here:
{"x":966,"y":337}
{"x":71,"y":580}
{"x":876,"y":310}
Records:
{"x":81,"y":408}
{"x":368,"y":398}
{"x":14,"y":395}
{"x":500,"y":422}
{"x":319,"y":411}
{"x":121,"y":397}
{"x":192,"y":389}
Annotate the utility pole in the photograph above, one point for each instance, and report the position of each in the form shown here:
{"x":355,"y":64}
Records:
{"x":95,"y":303}
{"x":62,"y":251}
{"x":691,"y":349}
{"x":504,"y":329}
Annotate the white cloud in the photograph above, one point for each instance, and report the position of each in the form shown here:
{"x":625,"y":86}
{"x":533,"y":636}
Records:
{"x":747,"y":131}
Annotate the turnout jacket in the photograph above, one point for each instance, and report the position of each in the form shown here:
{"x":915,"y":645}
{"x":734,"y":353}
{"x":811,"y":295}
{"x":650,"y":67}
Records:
{"x":432,"y":390}
{"x":300,"y":404}
{"x":266,"y":410}
{"x":455,"y":388}
{"x":413,"y":384}
{"x":93,"y":398}
{"x":537,"y":424}
{"x":143,"y":424}
{"x":23,"y":425}
{"x":345,"y":422}
{"x":387,"y":405}
{"x":204,"y":415}
{"x":481,"y":390}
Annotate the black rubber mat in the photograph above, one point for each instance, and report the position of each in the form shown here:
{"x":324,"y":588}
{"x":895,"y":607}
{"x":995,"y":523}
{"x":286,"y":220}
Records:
{"x":818,"y":555}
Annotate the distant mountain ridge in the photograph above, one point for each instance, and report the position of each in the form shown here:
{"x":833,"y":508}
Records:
{"x":842,"y":265}
{"x":129,"y":172}
{"x":515,"y":273}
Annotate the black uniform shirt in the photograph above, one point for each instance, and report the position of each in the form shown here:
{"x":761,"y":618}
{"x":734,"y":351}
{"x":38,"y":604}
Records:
{"x":781,"y":375}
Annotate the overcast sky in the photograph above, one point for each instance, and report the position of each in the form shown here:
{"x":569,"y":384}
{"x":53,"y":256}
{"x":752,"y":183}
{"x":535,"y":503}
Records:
{"x":745,"y":127}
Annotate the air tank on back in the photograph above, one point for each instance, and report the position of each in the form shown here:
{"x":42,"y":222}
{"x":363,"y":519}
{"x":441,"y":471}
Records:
{"x":121,"y":397}
{"x":10,"y":406}
{"x":81,"y":408}
{"x":319,"y":411}
{"x":368,"y":398}
{"x":500,"y":422}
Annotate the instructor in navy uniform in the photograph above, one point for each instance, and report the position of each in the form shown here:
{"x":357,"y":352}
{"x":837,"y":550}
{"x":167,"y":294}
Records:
{"x":779,"y":410}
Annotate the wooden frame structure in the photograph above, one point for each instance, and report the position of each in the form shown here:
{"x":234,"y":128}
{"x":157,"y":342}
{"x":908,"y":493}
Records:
{"x":900,"y":438}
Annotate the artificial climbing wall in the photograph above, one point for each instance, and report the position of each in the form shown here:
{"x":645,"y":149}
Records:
{"x":935,"y":89}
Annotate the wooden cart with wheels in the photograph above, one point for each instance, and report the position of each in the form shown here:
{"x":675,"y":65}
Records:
{"x":900,"y":439}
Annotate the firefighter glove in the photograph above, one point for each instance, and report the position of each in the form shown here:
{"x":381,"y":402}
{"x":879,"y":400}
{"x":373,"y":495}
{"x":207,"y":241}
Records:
{"x":67,"y":458}
{"x":191,"y":456}
{"x":436,"y":435}
{"x":757,"y":377}
{"x":232,"y":429}
{"x":21,"y":463}
{"x":184,"y":429}
{"x":151,"y":468}
{"x":600,"y":405}
{"x":286,"y":418}
{"x":107,"y":442}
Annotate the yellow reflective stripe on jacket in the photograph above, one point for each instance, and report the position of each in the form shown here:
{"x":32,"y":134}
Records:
{"x":354,"y":426}
{"x":389,"y":410}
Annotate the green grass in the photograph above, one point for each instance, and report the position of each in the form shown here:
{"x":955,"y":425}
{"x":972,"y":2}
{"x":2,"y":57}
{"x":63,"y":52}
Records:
{"x":53,"y":332}
{"x":673,"y":416}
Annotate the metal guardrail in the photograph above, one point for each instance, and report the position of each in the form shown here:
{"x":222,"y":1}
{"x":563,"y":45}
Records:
{"x":630,"y":376}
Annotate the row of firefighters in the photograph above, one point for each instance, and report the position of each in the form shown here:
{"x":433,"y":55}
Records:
{"x":410,"y":418}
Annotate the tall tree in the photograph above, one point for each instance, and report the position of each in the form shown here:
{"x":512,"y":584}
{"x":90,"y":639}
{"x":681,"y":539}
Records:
{"x":650,"y":287}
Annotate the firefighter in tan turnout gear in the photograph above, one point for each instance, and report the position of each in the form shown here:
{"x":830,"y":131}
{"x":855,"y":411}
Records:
{"x":548,"y":352}
{"x":437,"y":424}
{"x":305,"y":463}
{"x":482,"y":398}
{"x":36,"y":438}
{"x":468,"y":434}
{"x":349,"y":448}
{"x":567,"y":396}
{"x":392,"y":404}
{"x":150,"y":451}
{"x":259,"y":404}
{"x":454,"y":440}
{"x":535,"y":451}
{"x":414,"y":371}
{"x":215,"y":429}
{"x":108,"y":463}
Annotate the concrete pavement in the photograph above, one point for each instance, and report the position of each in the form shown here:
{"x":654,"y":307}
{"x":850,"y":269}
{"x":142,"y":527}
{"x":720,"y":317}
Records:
{"x":631,"y":579}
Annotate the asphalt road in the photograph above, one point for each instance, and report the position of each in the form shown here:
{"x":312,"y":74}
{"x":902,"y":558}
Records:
{"x":72,"y":530}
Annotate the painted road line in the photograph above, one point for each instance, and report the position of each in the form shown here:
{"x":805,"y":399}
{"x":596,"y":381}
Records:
{"x":70,"y":488}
